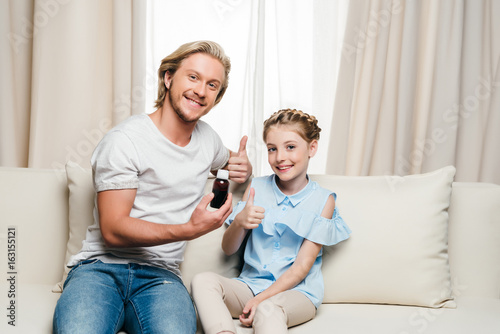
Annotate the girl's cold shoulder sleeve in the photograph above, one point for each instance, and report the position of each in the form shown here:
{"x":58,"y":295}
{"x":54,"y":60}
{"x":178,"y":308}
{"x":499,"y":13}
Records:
{"x":316,"y":228}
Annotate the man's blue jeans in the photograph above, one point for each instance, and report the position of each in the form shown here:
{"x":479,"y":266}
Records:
{"x":107,"y":298}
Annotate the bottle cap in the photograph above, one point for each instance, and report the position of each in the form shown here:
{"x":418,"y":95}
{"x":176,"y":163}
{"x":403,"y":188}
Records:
{"x":223,"y":174}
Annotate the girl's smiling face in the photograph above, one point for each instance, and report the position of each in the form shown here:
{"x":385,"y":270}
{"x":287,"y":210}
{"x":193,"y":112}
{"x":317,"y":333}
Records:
{"x":288,"y":155}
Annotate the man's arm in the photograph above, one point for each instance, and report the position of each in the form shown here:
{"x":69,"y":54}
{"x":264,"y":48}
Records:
{"x":120,"y":230}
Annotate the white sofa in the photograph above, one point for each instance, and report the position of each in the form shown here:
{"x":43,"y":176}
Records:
{"x":423,"y":257}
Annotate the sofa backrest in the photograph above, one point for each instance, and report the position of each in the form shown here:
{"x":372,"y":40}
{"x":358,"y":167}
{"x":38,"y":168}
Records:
{"x":35,"y":203}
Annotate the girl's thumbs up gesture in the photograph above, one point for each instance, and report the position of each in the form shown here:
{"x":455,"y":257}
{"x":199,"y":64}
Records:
{"x":251,"y":216}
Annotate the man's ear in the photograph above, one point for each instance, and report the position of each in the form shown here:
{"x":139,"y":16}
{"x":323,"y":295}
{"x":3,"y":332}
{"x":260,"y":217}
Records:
{"x":167,"y":78}
{"x":313,"y":148}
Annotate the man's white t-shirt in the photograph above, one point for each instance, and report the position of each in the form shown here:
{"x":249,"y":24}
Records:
{"x":169,"y":179}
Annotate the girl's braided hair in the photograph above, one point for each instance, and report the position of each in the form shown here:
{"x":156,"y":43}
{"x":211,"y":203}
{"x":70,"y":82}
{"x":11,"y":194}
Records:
{"x":304,"y":124}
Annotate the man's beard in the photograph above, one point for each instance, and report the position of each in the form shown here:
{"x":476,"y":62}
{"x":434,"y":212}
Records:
{"x":178,"y":110}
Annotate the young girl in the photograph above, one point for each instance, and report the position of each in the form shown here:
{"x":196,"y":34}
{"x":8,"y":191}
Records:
{"x":290,"y":217}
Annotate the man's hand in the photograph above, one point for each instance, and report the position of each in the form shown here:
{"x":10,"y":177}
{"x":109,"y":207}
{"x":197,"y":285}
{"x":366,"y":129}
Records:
{"x":203,"y":221}
{"x":238,"y":165}
{"x":251,"y":216}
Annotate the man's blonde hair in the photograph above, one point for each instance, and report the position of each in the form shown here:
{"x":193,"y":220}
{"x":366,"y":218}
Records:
{"x":172,"y":62}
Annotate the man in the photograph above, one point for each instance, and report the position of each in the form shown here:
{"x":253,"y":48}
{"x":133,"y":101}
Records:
{"x":149,"y":175}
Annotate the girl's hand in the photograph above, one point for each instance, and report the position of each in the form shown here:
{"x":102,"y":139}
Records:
{"x":246,"y":318}
{"x":251,"y":216}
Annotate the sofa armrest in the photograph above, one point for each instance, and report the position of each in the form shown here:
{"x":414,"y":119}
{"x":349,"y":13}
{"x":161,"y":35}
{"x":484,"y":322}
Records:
{"x":34,"y":202}
{"x":474,"y":239}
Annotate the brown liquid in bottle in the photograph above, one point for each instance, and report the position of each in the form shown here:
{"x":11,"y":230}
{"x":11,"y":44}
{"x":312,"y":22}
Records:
{"x":220,"y":188}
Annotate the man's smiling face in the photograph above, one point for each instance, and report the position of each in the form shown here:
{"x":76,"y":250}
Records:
{"x":193,"y":89}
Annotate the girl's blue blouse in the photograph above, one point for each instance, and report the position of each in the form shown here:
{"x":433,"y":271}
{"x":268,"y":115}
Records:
{"x":273,"y":247}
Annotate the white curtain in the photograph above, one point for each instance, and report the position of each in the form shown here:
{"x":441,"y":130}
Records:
{"x":70,"y":71}
{"x":284,"y":54}
{"x":417,"y":85}
{"x":418,"y":89}
{"x":15,"y":81}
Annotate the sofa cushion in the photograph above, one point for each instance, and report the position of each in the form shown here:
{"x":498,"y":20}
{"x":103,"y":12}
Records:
{"x":398,"y":250}
{"x":473,"y":314}
{"x":35,"y":309}
{"x":36,"y":305}
{"x":81,"y":206}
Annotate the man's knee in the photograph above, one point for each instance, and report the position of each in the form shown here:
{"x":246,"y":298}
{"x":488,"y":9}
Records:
{"x":84,"y":316}
{"x":80,"y":308}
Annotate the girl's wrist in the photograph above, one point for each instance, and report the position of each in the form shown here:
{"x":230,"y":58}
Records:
{"x":238,"y":222}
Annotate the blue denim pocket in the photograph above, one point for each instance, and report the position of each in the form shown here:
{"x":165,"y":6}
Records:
{"x":80,"y":265}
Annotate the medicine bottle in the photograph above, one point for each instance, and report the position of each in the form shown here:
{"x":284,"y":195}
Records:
{"x":221,"y":185}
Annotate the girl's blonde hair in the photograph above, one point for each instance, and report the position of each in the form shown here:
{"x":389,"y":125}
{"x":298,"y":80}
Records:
{"x":172,"y":62}
{"x":304,"y":124}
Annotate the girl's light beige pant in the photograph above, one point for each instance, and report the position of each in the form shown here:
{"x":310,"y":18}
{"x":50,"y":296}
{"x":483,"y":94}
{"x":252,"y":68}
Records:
{"x":219,"y":299}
